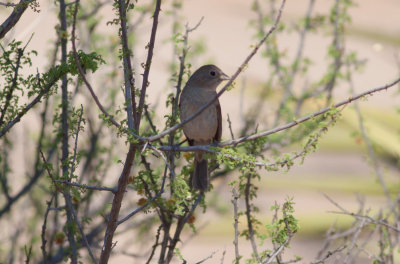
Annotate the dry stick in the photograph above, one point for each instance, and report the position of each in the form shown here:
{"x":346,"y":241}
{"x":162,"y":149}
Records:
{"x":234,"y":76}
{"x":230,"y":127}
{"x":207,"y":258}
{"x":348,"y":258}
{"x":148,"y":63}
{"x":235,"y":224}
{"x":328,"y":255}
{"x":369,"y":218}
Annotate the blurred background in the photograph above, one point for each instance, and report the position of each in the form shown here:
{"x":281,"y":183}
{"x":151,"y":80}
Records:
{"x":340,"y":168}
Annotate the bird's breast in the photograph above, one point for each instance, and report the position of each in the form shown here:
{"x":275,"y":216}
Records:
{"x":203,"y":127}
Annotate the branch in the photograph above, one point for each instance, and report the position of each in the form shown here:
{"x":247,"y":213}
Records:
{"x":64,"y":138}
{"x":328,"y":255}
{"x":148,"y":63}
{"x":127,"y":64}
{"x":82,"y":74}
{"x":12,"y":20}
{"x":369,"y":219}
{"x":371,"y":152}
{"x":21,"y":113}
{"x":89,"y":187}
{"x":83,"y":236}
{"x":43,"y":234}
{"x":208,"y":148}
{"x":305,"y":118}
{"x":235,"y":224}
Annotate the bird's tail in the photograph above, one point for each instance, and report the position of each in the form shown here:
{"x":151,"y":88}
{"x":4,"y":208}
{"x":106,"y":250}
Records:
{"x":200,"y":179}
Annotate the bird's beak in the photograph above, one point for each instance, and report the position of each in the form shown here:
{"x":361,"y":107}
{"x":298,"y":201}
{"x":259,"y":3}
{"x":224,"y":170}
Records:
{"x":224,"y":77}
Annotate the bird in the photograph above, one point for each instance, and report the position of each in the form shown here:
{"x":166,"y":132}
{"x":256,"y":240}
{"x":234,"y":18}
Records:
{"x":206,"y":128}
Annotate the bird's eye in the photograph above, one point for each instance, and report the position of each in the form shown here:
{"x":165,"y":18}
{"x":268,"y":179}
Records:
{"x":212,"y":73}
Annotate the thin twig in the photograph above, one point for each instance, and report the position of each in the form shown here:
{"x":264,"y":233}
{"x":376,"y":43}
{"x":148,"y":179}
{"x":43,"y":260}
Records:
{"x":22,"y":112}
{"x":248,"y":216}
{"x":148,"y":62}
{"x":43,"y":234}
{"x":89,"y":187}
{"x":129,"y":79}
{"x":230,"y":127}
{"x":369,"y":219}
{"x":84,"y":237}
{"x":8,"y":4}
{"x":329,"y":254}
{"x":236,"y":224}
{"x":156,"y":244}
{"x":368,"y":143}
{"x":207,"y":258}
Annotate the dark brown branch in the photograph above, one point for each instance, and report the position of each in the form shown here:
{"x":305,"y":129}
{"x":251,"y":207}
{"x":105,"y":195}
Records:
{"x":43,"y":234}
{"x":148,"y":63}
{"x":13,"y":19}
{"x":116,"y":206}
{"x":127,"y":64}
{"x":65,"y":137}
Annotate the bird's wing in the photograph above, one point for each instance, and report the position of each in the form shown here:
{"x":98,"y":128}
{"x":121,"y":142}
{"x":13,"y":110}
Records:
{"x":218,"y":134}
{"x":190,"y":141}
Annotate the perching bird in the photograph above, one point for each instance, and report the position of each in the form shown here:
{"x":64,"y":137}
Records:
{"x":205,"y":128}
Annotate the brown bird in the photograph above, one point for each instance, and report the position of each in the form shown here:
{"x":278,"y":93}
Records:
{"x":205,"y":128}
